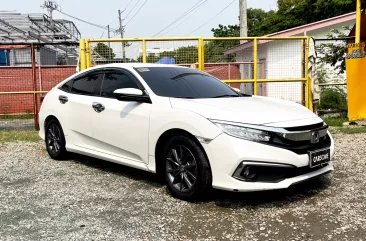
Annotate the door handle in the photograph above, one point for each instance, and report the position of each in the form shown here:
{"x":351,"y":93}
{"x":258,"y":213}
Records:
{"x":98,"y":107}
{"x":63,"y":99}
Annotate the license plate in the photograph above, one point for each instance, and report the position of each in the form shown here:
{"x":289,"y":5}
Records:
{"x":319,"y":157}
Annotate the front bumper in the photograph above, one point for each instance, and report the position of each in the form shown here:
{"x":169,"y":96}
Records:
{"x":226,"y":153}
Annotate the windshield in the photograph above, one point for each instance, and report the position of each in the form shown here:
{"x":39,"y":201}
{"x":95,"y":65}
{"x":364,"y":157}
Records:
{"x":184,"y":83}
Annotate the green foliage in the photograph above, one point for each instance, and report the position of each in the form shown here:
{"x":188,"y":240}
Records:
{"x":335,"y":121}
{"x":334,"y":53}
{"x":104,"y":51}
{"x":333,"y":98}
{"x":182,"y":55}
{"x":226,"y":31}
{"x":290,"y":13}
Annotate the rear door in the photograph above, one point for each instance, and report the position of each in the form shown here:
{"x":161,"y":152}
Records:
{"x":121,"y":127}
{"x":78,"y":108}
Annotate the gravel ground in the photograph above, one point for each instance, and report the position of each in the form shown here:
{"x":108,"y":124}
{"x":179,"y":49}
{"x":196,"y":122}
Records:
{"x":88,"y":199}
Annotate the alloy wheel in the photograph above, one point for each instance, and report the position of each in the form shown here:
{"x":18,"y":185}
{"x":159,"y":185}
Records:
{"x":181,"y":168}
{"x":54,"y":139}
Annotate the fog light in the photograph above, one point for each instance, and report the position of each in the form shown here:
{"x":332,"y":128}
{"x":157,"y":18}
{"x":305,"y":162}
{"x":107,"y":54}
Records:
{"x":248,"y":173}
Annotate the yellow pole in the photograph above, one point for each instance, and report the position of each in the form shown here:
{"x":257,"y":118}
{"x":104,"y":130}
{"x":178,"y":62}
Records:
{"x":88,"y":53}
{"x":143,"y":51}
{"x":255,"y":56}
{"x":82,"y":55}
{"x":309,"y":94}
{"x":358,"y":22}
{"x":201,"y":55}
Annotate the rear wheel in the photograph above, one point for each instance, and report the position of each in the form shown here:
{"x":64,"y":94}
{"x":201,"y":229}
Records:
{"x":55,"y":140}
{"x":187,"y":171}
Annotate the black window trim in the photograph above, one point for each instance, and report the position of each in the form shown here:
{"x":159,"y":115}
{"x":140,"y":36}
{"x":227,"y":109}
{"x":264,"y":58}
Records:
{"x":124,"y":71}
{"x":93,"y":71}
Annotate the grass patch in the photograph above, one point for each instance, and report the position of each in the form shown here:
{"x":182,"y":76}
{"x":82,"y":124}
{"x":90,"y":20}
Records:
{"x":335,"y":121}
{"x":352,"y":130}
{"x":16,"y":117}
{"x":11,"y":136}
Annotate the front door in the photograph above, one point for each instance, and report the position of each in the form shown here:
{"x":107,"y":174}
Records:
{"x":79,"y":102}
{"x":121,"y":128}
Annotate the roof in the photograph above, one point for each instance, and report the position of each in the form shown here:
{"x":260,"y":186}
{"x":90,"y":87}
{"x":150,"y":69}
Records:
{"x":298,"y":30}
{"x":135,"y":65}
{"x":35,"y":28}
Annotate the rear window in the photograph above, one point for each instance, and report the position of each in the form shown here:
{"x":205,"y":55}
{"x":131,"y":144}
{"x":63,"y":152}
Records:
{"x":183,"y":83}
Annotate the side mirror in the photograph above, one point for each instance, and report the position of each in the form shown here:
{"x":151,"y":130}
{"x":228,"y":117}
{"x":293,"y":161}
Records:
{"x":131,"y":94}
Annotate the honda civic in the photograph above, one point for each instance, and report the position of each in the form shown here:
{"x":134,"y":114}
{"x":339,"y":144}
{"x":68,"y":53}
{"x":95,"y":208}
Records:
{"x":189,"y":127}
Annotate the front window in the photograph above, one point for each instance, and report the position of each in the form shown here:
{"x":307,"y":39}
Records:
{"x":184,"y":83}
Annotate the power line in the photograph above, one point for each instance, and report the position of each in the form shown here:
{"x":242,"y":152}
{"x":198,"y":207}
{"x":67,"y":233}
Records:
{"x":182,"y":16}
{"x":191,"y":13}
{"x":128,"y":4}
{"x":135,"y":13}
{"x":212,"y":17}
{"x":84,"y":21}
{"x":132,"y":8}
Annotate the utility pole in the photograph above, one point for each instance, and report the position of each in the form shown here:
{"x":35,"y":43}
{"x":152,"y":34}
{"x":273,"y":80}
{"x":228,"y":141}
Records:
{"x":243,"y":18}
{"x":243,"y":23}
{"x":51,"y":6}
{"x":109,"y":36}
{"x":121,"y":30}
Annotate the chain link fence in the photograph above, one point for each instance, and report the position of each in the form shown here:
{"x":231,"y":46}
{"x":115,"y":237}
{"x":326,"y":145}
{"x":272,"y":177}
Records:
{"x":26,"y":73}
{"x":331,"y":74}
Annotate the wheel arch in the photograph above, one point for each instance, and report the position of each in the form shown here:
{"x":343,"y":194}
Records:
{"x":162,"y":140}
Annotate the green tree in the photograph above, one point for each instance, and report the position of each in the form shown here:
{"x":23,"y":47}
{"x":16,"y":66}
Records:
{"x":290,"y":13}
{"x":182,"y":55}
{"x":104,"y":51}
{"x":334,"y":53}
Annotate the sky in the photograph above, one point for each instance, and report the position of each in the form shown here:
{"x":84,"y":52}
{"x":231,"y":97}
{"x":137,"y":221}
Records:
{"x":153,"y":17}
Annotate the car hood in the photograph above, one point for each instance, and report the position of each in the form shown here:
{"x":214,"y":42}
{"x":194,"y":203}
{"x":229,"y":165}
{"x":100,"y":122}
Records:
{"x":251,"y":110}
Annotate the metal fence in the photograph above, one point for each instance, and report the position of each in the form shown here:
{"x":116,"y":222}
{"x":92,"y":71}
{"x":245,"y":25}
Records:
{"x":331,"y":73}
{"x":28,"y":71}
{"x":274,"y":67}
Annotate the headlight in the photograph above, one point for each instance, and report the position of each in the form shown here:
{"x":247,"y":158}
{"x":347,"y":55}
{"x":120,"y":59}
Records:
{"x":244,"y":132}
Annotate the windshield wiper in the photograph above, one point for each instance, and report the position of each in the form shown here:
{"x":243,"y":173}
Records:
{"x":223,"y":96}
{"x":183,"y":97}
{"x":187,"y":74}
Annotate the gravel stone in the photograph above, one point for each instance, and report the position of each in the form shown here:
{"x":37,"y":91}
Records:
{"x":88,"y":199}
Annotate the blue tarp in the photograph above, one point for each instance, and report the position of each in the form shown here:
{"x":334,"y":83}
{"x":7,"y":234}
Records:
{"x":166,"y":60}
{"x":4,"y":57}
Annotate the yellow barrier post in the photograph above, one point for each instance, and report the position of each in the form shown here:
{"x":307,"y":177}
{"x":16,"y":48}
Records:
{"x":358,"y":22}
{"x":309,"y":93}
{"x":82,"y":60}
{"x":88,"y":53}
{"x":255,"y":72}
{"x":144,"y":51}
{"x":201,"y":54}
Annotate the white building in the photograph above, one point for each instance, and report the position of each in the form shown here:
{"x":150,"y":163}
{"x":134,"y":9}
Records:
{"x":283,"y":59}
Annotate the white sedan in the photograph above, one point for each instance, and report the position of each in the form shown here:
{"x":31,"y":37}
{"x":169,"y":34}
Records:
{"x":187,"y":126}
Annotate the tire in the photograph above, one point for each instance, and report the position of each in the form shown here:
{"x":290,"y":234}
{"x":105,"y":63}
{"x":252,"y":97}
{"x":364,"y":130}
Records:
{"x":187,"y":171}
{"x":55,"y":140}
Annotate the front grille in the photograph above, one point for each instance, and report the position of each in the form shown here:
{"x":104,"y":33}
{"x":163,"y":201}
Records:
{"x":305,"y":128}
{"x":300,"y":147}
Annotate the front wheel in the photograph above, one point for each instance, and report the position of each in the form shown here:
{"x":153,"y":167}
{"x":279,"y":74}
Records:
{"x":55,"y":140}
{"x":187,"y":171}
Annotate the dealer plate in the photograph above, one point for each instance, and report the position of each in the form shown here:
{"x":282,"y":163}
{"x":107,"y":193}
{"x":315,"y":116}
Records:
{"x":319,"y":157}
